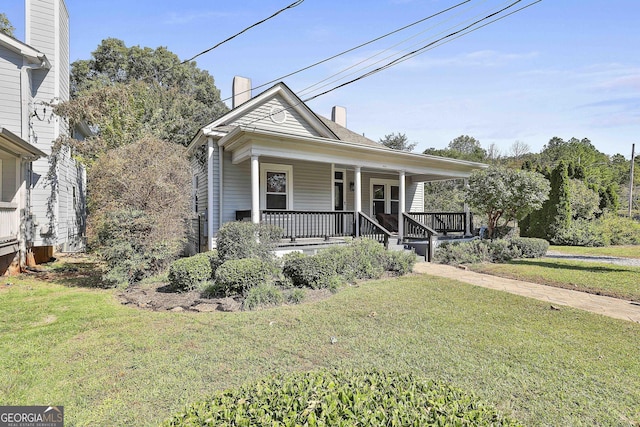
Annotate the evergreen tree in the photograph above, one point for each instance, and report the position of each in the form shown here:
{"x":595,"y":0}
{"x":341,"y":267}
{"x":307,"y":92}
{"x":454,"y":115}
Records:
{"x":558,"y":209}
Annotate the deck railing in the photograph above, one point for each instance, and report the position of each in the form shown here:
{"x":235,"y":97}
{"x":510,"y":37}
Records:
{"x":443,"y":222}
{"x":311,"y":224}
{"x":371,"y":229}
{"x":414,"y":230}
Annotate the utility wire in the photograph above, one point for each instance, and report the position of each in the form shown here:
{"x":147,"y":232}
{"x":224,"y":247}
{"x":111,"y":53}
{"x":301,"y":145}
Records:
{"x":308,"y":88}
{"x":430,"y":46}
{"x":355,"y":48}
{"x":291,"y":6}
{"x":412,"y":53}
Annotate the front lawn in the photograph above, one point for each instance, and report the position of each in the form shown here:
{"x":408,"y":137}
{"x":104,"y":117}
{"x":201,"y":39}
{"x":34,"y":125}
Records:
{"x":110,"y":364}
{"x":597,"y":278}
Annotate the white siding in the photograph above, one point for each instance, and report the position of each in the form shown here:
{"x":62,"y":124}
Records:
{"x":260,"y":117}
{"x":236,"y":188}
{"x":415,"y":197}
{"x":10,"y":88}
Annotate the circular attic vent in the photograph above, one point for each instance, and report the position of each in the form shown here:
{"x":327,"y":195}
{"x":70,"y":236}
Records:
{"x":278,"y":115}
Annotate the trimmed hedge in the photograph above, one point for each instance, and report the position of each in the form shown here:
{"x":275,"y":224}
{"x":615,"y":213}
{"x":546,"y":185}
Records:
{"x":186,"y":274}
{"x":237,"y":276}
{"x":342,"y":399}
{"x":400,"y":262}
{"x":315,"y":272}
{"x":238,"y":240}
{"x":530,"y":247}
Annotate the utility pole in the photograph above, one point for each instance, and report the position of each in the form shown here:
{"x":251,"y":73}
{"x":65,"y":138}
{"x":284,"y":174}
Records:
{"x":633,"y":155}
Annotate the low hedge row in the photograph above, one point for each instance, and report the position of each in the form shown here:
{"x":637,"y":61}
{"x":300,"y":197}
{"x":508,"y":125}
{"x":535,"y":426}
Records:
{"x":500,"y":250}
{"x":342,"y":399}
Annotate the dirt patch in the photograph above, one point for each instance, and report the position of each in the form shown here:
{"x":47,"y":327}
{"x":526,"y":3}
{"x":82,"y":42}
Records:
{"x":159,"y":298}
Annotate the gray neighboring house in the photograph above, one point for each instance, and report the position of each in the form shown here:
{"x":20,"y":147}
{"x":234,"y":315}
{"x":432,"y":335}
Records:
{"x":34,"y":75}
{"x":272,"y":160}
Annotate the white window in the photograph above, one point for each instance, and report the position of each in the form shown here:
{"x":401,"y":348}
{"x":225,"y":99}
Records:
{"x":276,"y":184}
{"x":385,"y":196}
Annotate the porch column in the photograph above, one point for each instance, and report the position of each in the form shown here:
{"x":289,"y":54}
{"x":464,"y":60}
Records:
{"x":255,"y":190}
{"x":210,"y":149}
{"x":401,"y":202}
{"x":467,"y":214}
{"x":358,"y":197}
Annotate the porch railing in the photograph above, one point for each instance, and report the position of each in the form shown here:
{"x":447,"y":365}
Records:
{"x":311,"y":224}
{"x":443,"y":222}
{"x":414,"y":230}
{"x":371,"y":229}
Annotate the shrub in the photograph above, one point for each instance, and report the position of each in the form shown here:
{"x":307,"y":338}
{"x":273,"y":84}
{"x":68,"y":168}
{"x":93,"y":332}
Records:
{"x":262,"y":295}
{"x":455,"y":253}
{"x":530,"y":247}
{"x":501,"y":250}
{"x":128,"y":255}
{"x":296,"y":296}
{"x":238,"y":240}
{"x":237,"y":276}
{"x":315,"y":272}
{"x":345,"y":399}
{"x":400,"y":262}
{"x":367,"y":259}
{"x":580,"y":232}
{"x":617,"y":230}
{"x":186,"y":274}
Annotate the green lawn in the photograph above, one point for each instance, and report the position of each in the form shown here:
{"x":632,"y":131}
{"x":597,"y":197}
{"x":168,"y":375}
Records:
{"x":110,"y":364}
{"x":597,"y":278}
{"x":631,"y":251}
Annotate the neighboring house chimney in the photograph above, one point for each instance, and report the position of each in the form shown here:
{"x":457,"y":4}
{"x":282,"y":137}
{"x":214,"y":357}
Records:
{"x":339,"y":115}
{"x":241,"y":91}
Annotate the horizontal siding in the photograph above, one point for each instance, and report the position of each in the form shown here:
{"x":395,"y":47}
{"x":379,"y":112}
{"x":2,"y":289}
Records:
{"x":10,"y":105}
{"x":236,"y":188}
{"x":260,"y":117}
{"x":414,"y":197}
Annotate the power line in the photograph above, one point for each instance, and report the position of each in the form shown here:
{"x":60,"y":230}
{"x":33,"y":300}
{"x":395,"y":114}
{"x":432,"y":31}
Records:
{"x":413,"y":53}
{"x":291,"y":6}
{"x":430,"y":46}
{"x":356,"y":47}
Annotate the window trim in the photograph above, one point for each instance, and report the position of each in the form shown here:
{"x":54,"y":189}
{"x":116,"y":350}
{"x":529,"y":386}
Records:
{"x":279,"y":168}
{"x":388,"y":183}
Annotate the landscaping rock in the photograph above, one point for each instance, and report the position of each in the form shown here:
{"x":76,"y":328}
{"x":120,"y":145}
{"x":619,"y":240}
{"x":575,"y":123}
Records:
{"x":177,"y":309}
{"x":229,"y":304}
{"x":205,"y":307}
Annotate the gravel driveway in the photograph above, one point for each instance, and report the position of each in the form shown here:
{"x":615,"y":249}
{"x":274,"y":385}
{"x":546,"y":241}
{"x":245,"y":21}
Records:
{"x":630,"y":262}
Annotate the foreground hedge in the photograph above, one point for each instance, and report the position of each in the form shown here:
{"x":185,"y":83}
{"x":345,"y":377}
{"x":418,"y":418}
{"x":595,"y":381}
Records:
{"x":341,"y":399}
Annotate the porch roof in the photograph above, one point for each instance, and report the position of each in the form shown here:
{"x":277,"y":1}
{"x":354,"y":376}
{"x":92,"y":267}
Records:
{"x":245,"y":142}
{"x":18,"y":147}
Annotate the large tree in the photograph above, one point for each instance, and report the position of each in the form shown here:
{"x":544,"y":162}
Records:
{"x":463,"y":147}
{"x":505,"y":194}
{"x":126,"y":92}
{"x":397,"y":141}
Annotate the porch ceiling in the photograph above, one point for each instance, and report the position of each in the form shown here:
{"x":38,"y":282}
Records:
{"x":246,"y":142}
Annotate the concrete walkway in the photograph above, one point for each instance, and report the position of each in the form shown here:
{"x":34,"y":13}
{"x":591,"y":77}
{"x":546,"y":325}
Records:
{"x":607,"y":306}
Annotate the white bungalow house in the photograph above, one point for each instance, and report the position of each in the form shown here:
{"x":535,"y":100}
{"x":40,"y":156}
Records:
{"x":34,"y":75}
{"x":273,"y":160}
{"x":16,"y":156}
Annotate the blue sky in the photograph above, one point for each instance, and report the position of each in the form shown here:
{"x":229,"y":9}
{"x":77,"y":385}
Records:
{"x":566,"y":68}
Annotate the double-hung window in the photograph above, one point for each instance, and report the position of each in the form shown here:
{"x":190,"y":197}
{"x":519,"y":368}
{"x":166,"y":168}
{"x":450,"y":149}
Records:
{"x":276,"y":182}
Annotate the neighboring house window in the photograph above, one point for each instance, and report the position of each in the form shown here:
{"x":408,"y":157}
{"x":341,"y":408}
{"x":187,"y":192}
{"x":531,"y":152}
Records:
{"x":276,"y":183}
{"x":196,"y":184}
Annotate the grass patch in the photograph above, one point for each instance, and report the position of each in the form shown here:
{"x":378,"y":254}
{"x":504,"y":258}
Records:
{"x":630,"y":251}
{"x":110,"y":364}
{"x":597,"y":278}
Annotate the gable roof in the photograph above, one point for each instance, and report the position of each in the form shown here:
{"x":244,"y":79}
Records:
{"x":295,"y":104}
{"x":32,"y":55}
{"x":345,"y":134}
